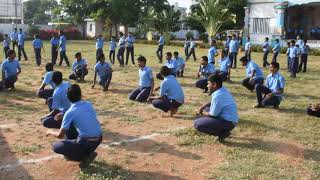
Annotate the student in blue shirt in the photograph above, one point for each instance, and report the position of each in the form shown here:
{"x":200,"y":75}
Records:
{"x":299,"y":41}
{"x":104,"y":72}
{"x":58,"y":104}
{"x":294,"y":58}
{"x":63,"y":49}
{"x":10,"y":70}
{"x":233,"y":51}
{"x":21,"y":39}
{"x":171,"y":64}
{"x":160,"y":48}
{"x":14,"y":38}
{"x":253,"y":72}
{"x":225,"y":67}
{"x":171,"y":95}
{"x":99,"y":46}
{"x":266,"y":50}
{"x":192,"y":50}
{"x":82,"y":129}
{"x":180,"y":64}
{"x":47,"y":80}
{"x":37,"y":45}
{"x":212,"y":52}
{"x":288,"y":57}
{"x":112,"y":51}
{"x":6,"y":45}
{"x":146,"y":82}
{"x":186,"y":47}
{"x":227,"y":44}
{"x":79,"y":68}
{"x":130,"y":48}
{"x":122,"y":48}
{"x":220,"y":116}
{"x":273,"y":88}
{"x":304,"y":51}
{"x":247,"y":48}
{"x":204,"y":71}
{"x":54,"y":48}
{"x":276,"y":50}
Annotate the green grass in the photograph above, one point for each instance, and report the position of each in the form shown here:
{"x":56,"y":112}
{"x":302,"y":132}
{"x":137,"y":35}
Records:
{"x":251,"y":153}
{"x":27,"y":149}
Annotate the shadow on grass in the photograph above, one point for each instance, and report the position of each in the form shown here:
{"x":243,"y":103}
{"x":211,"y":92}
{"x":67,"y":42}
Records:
{"x":120,"y":91}
{"x":243,"y":123}
{"x":275,"y":147}
{"x":103,"y":170}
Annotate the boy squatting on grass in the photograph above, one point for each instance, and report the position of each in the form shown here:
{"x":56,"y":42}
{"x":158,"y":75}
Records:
{"x":104,"y":72}
{"x":10,"y":70}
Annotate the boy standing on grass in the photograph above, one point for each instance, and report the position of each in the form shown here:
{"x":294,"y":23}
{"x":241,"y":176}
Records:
{"x":171,"y":95}
{"x":10,"y":70}
{"x":233,"y":51}
{"x":220,"y":116}
{"x":294,"y":58}
{"x":186,"y":47}
{"x":205,"y":70}
{"x":130,"y":48}
{"x":146,"y":82}
{"x":104,"y":72}
{"x":122,"y":48}
{"x":304,"y":51}
{"x":160,"y":47}
{"x":63,"y":49}
{"x":47,"y":80}
{"x":14,"y":38}
{"x":192,"y":50}
{"x":247,"y":48}
{"x":79,"y":68}
{"x":6,"y":45}
{"x":37,"y":45}
{"x":180,"y":64}
{"x":99,"y":46}
{"x":253,"y":72}
{"x":82,"y":129}
{"x":288,"y":57}
{"x":112,"y":47}
{"x":21,"y":39}
{"x":212,"y":52}
{"x":276,"y":50}
{"x":266,"y":50}
{"x":54,"y":48}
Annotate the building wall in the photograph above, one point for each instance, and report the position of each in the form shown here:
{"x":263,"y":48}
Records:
{"x":10,"y":9}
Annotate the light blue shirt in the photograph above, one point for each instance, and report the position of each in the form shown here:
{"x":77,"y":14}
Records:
{"x":294,"y":52}
{"x":180,"y":62}
{"x":224,"y":106}
{"x":102,"y":69}
{"x":172,"y":64}
{"x":277,"y":47}
{"x":79,"y":64}
{"x":171,"y":88}
{"x":6,"y":42}
{"x":247,"y":46}
{"x":62,"y":43}
{"x":14,"y":36}
{"x":250,"y":67}
{"x":54,"y":41}
{"x":37,"y":44}
{"x":21,"y":38}
{"x":10,"y":68}
{"x":224,"y":64}
{"x":48,"y":79}
{"x":211,"y":54}
{"x":299,"y":42}
{"x":130,"y":41}
{"x":275,"y":82}
{"x":227,"y":43}
{"x":83,"y":117}
{"x":145,"y":77}
{"x":122,"y":42}
{"x":233,"y":46}
{"x":304,"y":49}
{"x":112,"y":45}
{"x":99,"y":43}
{"x":207,"y":70}
{"x":266,"y":46}
{"x":192,"y":44}
{"x":60,"y":100}
{"x":186,"y":44}
{"x":161,"y":40}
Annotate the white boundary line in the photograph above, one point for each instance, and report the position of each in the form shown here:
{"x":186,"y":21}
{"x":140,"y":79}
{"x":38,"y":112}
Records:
{"x":5,"y":126}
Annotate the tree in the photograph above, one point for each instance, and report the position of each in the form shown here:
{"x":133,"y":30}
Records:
{"x":38,"y":11}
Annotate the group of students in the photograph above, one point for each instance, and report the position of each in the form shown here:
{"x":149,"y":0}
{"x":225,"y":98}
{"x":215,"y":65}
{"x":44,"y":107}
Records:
{"x":77,"y":119}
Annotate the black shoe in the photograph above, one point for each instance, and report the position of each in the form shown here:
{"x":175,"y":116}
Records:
{"x":205,"y":91}
{"x":223,"y":136}
{"x":258,"y":106}
{"x":88,"y":160}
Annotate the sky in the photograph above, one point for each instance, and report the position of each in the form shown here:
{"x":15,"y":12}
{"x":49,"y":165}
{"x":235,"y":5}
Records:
{"x":182,"y":3}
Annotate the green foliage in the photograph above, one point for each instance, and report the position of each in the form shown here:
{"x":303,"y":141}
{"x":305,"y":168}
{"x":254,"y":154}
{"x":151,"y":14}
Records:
{"x":191,"y":137}
{"x":189,"y":35}
{"x":27,"y":149}
{"x":38,"y":11}
{"x":33,"y":30}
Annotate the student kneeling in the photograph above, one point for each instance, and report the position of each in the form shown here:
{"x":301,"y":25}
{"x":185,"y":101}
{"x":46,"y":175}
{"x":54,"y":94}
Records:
{"x":171,"y":93}
{"x":104,"y":71}
{"x":220,"y":116}
{"x":10,"y":70}
{"x":79,"y":68}
{"x":81,"y":116}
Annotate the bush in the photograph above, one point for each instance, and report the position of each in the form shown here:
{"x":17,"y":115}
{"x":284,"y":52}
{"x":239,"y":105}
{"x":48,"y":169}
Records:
{"x":1,"y":36}
{"x":47,"y":34}
{"x":32,"y":30}
{"x":189,"y":35}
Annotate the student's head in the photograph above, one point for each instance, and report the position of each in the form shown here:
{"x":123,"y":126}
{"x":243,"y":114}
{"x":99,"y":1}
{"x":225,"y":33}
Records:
{"x":298,"y":36}
{"x":11,"y":54}
{"x":214,"y":82}
{"x":49,"y":67}
{"x":113,"y":38}
{"x":229,"y":37}
{"x":129,"y":34}
{"x":176,"y":54}
{"x":165,"y":71}
{"x":204,"y":60}
{"x":36,"y":36}
{"x":305,"y":41}
{"x":248,"y":38}
{"x":277,"y":40}
{"x":74,"y":93}
{"x":78,"y":56}
{"x":234,"y":37}
{"x":161,"y":33}
{"x":266,"y":39}
{"x":168,"y":56}
{"x":6,"y":35}
{"x":244,"y":60}
{"x":292,"y":42}
{"x":101,"y":58}
{"x":99,"y":36}
{"x":142,"y":61}
{"x":288,"y":43}
{"x":61,"y":32}
{"x":15,"y":29}
{"x":213,"y":43}
{"x":57,"y":77}
{"x":121,"y":34}
{"x":274,"y":67}
{"x":20,"y":29}
{"x":223,"y":53}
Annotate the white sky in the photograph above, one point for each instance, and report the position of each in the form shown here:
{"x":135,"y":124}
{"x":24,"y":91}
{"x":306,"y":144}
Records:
{"x":182,"y":3}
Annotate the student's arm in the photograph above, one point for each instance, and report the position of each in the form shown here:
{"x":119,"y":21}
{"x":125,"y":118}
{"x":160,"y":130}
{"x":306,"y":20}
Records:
{"x":202,"y":108}
{"x":43,"y":85}
{"x":3,"y":77}
{"x":52,"y":113}
{"x":152,"y":86}
{"x":199,"y":71}
{"x":94,"y":79}
{"x":229,"y":73}
{"x":280,"y":91}
{"x":58,"y":134}
{"x":252,"y":74}
{"x":19,"y":70}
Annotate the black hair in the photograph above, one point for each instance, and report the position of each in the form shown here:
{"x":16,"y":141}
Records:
{"x":15,"y":29}
{"x":20,"y":29}
{"x":74,"y":93}
{"x":11,"y":51}
{"x":100,"y":56}
{"x":267,"y":38}
{"x":169,"y":54}
{"x":205,"y":58}
{"x":121,"y":33}
{"x":36,"y":36}
{"x":176,"y":53}
{"x":165,"y":71}
{"x":215,"y":78}
{"x":49,"y":67}
{"x":57,"y":77}
{"x":244,"y":58}
{"x":61,"y":32}
{"x":275,"y":65}
{"x":142,"y":59}
{"x":293,"y":41}
{"x":77,"y":54}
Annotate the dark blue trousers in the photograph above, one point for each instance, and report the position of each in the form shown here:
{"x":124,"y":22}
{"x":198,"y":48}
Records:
{"x":46,"y":93}
{"x":54,"y":54}
{"x":213,"y":126}
{"x":250,"y":84}
{"x":120,"y":55}
{"x":233,"y":59}
{"x":294,"y":63}
{"x":10,"y":82}
{"x":106,"y":80}
{"x":261,"y":91}
{"x":160,"y":53}
{"x":140,"y":94}
{"x":265,"y":59}
{"x":166,"y":104}
{"x":275,"y":56}
{"x":63,"y":56}
{"x":202,"y":84}
{"x":38,"y":56}
{"x":130,"y":52}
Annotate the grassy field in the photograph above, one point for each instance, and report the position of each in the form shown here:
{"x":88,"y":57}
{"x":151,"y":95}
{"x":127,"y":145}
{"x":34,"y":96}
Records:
{"x":267,"y":144}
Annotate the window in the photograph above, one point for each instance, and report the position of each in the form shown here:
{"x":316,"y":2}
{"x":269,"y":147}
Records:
{"x":261,"y":25}
{"x":90,"y":28}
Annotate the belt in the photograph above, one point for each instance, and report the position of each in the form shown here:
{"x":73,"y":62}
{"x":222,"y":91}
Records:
{"x":92,"y":138}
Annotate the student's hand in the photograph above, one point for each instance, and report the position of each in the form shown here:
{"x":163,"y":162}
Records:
{"x":150,"y":99}
{"x":270,"y":95}
{"x":58,"y":117}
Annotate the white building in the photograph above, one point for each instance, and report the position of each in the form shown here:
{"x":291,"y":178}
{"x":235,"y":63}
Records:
{"x":11,"y":12}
